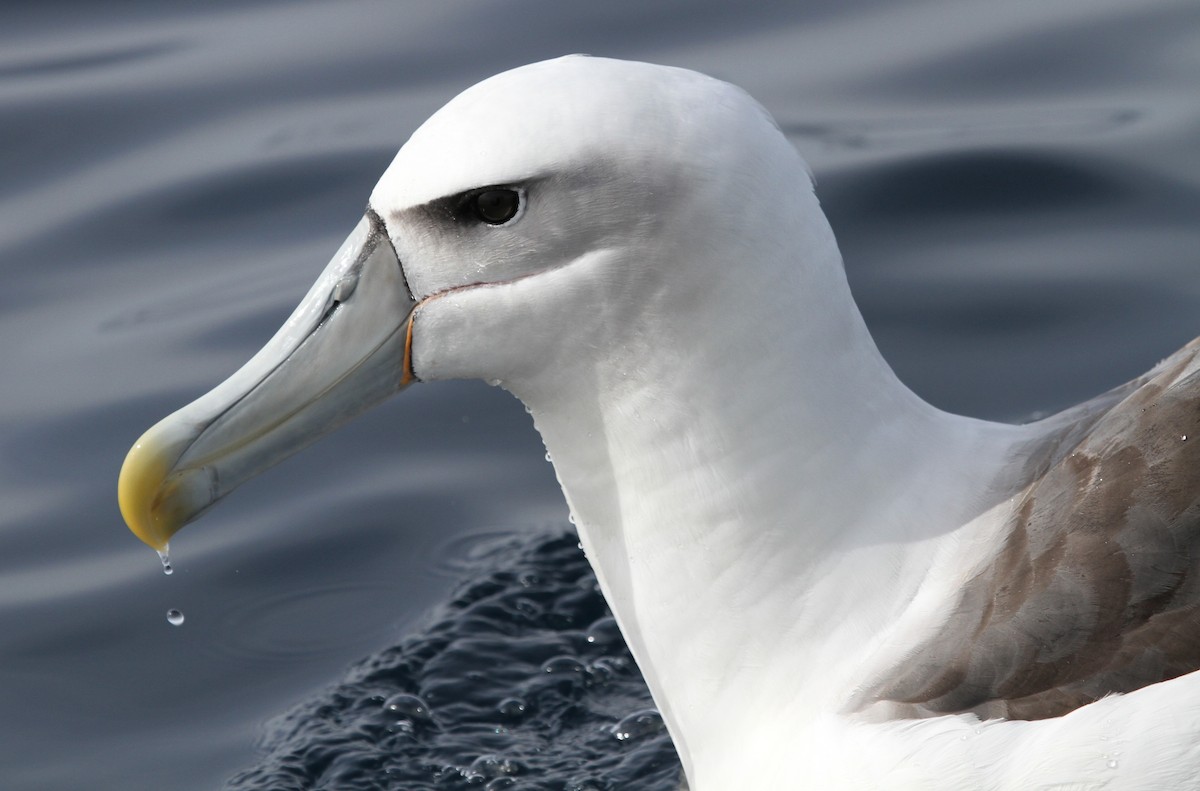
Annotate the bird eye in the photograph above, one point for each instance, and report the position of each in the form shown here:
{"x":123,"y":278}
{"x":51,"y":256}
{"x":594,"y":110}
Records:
{"x":496,"y":206}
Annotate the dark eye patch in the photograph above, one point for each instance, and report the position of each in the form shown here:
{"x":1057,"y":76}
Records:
{"x":496,"y":205}
{"x":492,"y":205}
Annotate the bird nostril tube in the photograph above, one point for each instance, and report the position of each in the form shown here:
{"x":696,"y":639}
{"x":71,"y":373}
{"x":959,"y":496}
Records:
{"x":345,"y":287}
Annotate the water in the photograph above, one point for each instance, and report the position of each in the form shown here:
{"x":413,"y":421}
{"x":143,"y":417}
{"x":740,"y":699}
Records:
{"x":1016,"y":188}
{"x":518,"y":684}
{"x":175,"y":617}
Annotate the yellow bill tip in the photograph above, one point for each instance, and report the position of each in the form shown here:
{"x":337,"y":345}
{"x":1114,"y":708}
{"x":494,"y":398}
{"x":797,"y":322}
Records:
{"x":140,"y":489}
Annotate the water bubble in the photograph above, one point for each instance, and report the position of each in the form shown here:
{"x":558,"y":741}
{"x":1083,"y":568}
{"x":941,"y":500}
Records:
{"x":500,"y":782}
{"x":563,"y":666}
{"x":1183,"y":438}
{"x":607,"y":668}
{"x":548,"y":457}
{"x":527,"y":607}
{"x":493,"y":766}
{"x":638,"y":725}
{"x":604,"y":632}
{"x":1112,"y":763}
{"x":494,"y":382}
{"x":571,"y":517}
{"x":512,"y":707}
{"x":174,"y":617}
{"x":586,"y":784}
{"x":450,"y":774}
{"x":408,"y":706}
{"x":164,"y":555}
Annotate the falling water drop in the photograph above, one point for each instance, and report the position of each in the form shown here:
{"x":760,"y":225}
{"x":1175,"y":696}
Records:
{"x":174,"y":617}
{"x":164,"y":555}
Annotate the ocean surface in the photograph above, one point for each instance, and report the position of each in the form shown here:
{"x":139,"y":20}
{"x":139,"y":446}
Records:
{"x":1016,"y":190}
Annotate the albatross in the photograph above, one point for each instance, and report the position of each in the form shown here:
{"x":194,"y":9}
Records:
{"x":827,"y":582}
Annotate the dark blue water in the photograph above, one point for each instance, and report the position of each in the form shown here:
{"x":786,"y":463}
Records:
{"x":1016,"y":189}
{"x":522,"y":681}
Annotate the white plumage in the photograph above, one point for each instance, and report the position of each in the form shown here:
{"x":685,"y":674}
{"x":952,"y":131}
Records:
{"x":827,"y":582}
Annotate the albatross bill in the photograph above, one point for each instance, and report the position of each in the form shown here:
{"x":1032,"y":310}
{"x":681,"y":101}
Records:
{"x":826,"y":581}
{"x":344,"y":349}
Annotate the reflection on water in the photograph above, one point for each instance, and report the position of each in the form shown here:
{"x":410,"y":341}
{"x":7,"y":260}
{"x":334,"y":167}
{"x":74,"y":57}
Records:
{"x":1015,"y":188}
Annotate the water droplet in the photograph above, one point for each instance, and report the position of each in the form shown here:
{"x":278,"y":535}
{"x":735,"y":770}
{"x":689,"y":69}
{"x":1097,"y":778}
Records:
{"x":527,"y":607}
{"x":604,"y":632}
{"x":583,"y":785}
{"x":512,"y":707}
{"x":408,"y":706}
{"x":571,"y":518}
{"x":607,"y":668}
{"x":563,"y":666}
{"x":1183,"y":438}
{"x":1112,"y":763}
{"x":638,"y":725}
{"x":494,"y":382}
{"x":489,"y":766}
{"x":548,"y":457}
{"x":175,"y":617}
{"x":164,"y":555}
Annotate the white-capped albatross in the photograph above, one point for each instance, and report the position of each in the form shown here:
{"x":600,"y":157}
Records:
{"x":827,"y":582}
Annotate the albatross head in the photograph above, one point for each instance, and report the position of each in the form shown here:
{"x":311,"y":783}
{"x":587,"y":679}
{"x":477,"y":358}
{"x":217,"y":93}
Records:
{"x":635,"y":252}
{"x":560,"y":222}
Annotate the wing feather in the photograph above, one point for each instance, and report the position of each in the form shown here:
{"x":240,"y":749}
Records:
{"x":1096,"y":588}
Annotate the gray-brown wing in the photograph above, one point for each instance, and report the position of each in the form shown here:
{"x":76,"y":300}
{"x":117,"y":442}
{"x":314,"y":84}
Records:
{"x":1097,"y":587}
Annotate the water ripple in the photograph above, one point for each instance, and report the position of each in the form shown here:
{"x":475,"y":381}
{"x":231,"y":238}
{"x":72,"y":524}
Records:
{"x":522,"y":682}
{"x":90,"y":60}
{"x":273,"y":627}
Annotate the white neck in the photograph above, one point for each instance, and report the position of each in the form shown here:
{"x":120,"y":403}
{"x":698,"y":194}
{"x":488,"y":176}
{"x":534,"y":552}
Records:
{"x":755,"y":523}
